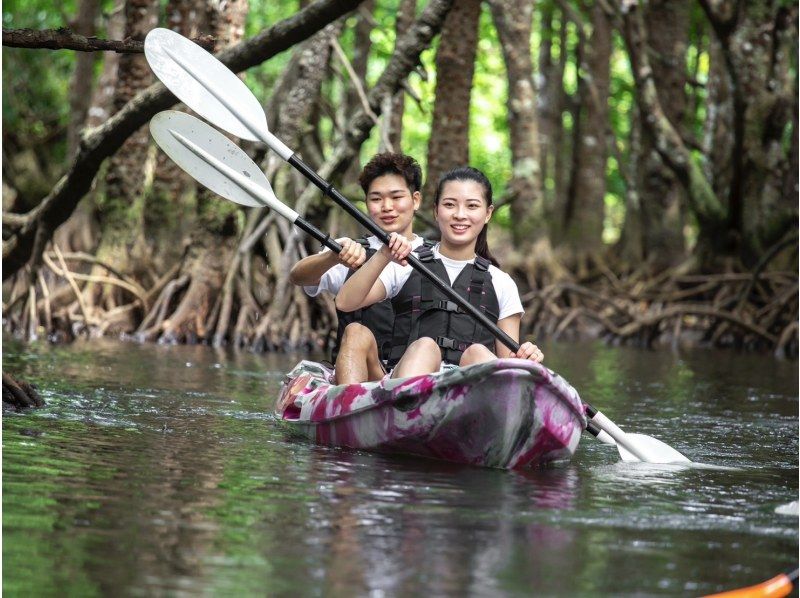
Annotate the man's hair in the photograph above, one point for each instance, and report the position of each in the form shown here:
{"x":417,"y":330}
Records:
{"x":391,"y":163}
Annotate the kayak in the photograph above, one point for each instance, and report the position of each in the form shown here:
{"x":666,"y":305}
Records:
{"x":507,"y":413}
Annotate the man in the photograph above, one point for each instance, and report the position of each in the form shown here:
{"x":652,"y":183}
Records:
{"x":391,"y":184}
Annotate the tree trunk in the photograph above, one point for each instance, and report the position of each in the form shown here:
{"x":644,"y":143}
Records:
{"x":585,"y":206}
{"x":702,"y":201}
{"x":122,"y":200}
{"x":760,"y":54}
{"x":513,"y":20}
{"x":550,"y":93}
{"x":660,"y":193}
{"x":214,"y":240}
{"x":361,"y":48}
{"x":80,"y":88}
{"x":448,"y":145}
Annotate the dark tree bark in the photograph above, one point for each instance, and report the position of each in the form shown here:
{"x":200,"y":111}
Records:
{"x":65,"y":39}
{"x":661,"y":195}
{"x":550,"y":95}
{"x":25,"y":237}
{"x":718,"y":126}
{"x":213,"y":240}
{"x":169,"y":211}
{"x":80,"y":88}
{"x":585,"y":205}
{"x":312,"y":67}
{"x":513,"y":20}
{"x":103,"y":95}
{"x":121,"y":202}
{"x":757,"y":43}
{"x":702,"y":201}
{"x":361,"y":49}
{"x":448,"y":145}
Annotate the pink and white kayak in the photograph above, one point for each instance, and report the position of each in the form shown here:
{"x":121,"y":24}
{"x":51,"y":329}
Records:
{"x":509,"y":413}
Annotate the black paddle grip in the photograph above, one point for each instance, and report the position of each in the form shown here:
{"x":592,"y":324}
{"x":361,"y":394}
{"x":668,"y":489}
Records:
{"x":340,"y":199}
{"x":312,"y":230}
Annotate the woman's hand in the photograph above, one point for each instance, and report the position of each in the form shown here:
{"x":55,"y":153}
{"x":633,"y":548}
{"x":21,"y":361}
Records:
{"x":529,"y":351}
{"x":352,"y":254}
{"x":398,"y":249}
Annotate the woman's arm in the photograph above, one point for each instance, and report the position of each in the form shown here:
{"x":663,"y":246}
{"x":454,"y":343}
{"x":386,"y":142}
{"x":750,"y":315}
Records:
{"x":527,"y":350}
{"x":510,"y":326}
{"x":309,"y":270}
{"x":364,"y":288}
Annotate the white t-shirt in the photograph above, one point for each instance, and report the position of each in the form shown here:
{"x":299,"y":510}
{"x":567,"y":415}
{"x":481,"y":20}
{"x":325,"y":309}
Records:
{"x":394,"y":276}
{"x":334,"y":278}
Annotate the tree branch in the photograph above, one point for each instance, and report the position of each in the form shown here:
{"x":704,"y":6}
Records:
{"x":25,"y":245}
{"x":64,"y":38}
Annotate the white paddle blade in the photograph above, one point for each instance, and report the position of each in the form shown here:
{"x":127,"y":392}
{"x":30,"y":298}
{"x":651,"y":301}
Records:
{"x":205,"y":84}
{"x":215,"y":161}
{"x":652,"y":449}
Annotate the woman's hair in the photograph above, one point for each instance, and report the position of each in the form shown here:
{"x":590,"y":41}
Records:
{"x":467,"y":173}
{"x":391,"y":163}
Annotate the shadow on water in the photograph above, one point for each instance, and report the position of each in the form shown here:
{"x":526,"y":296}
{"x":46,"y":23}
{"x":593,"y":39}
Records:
{"x":158,"y":470}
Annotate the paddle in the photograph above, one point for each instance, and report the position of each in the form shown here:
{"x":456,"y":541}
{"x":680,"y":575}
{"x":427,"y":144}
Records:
{"x":194,"y":146}
{"x":216,"y":93}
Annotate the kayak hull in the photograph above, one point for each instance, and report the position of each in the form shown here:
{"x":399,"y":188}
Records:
{"x":509,"y":413}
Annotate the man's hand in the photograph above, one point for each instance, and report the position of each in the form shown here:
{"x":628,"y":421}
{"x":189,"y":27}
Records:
{"x":352,"y":254}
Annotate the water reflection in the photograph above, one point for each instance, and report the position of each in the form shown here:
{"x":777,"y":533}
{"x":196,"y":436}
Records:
{"x":386,"y":532}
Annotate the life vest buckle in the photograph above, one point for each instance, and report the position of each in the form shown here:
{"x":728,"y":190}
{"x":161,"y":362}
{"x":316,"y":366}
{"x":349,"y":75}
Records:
{"x":445,"y":343}
{"x":447,"y":305}
{"x":449,"y":343}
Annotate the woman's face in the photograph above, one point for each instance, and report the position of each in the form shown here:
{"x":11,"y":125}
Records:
{"x":391,"y":204}
{"x":462,"y":212}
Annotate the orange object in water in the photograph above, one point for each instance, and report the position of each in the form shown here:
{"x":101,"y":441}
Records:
{"x":778,"y":586}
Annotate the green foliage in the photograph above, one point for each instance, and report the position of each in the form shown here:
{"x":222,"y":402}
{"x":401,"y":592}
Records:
{"x":262,"y":15}
{"x":35,"y":82}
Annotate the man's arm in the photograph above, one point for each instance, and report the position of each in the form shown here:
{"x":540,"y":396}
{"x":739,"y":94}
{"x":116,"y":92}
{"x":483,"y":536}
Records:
{"x":308,"y":271}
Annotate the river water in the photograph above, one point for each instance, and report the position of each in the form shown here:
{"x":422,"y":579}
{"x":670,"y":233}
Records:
{"x":160,"y":471}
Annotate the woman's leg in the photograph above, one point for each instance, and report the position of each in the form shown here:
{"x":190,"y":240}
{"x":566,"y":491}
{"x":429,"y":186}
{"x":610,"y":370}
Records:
{"x":476,"y":354}
{"x":358,"y":359}
{"x":421,"y":357}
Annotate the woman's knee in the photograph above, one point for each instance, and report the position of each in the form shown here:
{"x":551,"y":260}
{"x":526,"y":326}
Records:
{"x":476,"y":353}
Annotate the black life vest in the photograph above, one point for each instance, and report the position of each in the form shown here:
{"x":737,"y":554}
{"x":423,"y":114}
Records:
{"x":421,"y":309}
{"x":378,"y":317}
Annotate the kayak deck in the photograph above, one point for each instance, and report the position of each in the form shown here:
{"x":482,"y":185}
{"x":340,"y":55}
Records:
{"x":508,"y":413}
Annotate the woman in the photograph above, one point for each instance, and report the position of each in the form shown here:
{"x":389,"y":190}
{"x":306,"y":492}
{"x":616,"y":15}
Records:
{"x":430,"y":332}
